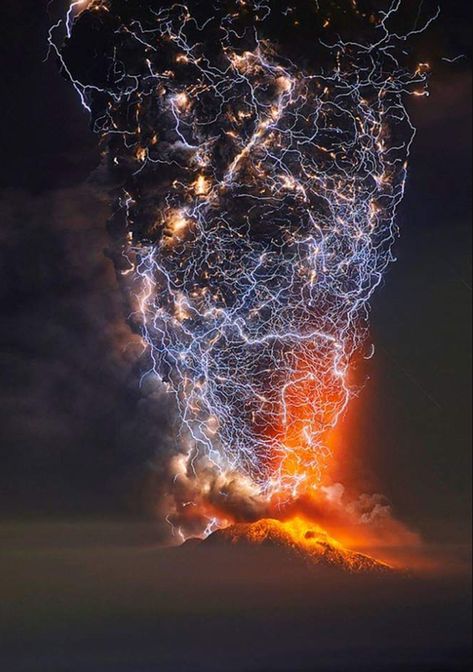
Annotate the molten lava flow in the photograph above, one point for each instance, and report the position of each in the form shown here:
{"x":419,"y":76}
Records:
{"x":312,"y":538}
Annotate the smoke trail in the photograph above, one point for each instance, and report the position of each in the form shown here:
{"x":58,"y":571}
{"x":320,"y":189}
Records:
{"x":262,"y":160}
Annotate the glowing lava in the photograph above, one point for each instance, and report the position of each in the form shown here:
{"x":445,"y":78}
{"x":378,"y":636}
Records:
{"x":302,"y":540}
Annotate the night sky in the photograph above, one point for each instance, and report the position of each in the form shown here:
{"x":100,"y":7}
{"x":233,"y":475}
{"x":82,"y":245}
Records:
{"x":85,"y":588}
{"x":78,"y":431}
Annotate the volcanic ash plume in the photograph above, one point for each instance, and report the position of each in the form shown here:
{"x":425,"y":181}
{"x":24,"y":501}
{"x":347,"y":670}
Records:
{"x":261,"y":159}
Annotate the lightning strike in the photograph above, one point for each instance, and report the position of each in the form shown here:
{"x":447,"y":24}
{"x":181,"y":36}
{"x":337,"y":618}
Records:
{"x":260,"y":205}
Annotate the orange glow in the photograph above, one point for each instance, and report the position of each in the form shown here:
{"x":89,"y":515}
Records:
{"x":307,"y":533}
{"x":91,"y":5}
{"x":141,"y":154}
{"x":182,"y":101}
{"x":310,"y":536}
{"x":306,"y":541}
{"x":284,"y":83}
{"x":202,"y":186}
{"x":176,"y":227}
{"x":337,"y":515}
{"x":307,"y":429}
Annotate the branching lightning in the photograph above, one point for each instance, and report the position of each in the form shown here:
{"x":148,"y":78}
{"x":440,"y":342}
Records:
{"x":259,"y":202}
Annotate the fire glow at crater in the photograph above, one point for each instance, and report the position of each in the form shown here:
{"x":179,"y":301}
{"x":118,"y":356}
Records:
{"x":261,"y":160}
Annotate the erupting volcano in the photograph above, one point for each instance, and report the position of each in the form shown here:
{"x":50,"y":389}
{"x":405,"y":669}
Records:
{"x":300,"y":540}
{"x":259,"y":153}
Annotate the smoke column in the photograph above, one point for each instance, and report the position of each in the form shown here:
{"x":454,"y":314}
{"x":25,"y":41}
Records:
{"x":260,"y":159}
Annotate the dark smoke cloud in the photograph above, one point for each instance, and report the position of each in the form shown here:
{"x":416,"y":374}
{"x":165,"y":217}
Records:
{"x":77,"y":428}
{"x":198,"y":496}
{"x":80,"y":431}
{"x":208,"y":493}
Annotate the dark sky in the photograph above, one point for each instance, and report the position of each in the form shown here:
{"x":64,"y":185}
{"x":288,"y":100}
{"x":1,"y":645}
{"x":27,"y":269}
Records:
{"x":78,"y":431}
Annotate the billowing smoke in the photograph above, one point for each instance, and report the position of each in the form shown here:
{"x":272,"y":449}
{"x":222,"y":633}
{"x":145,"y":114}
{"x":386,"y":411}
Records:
{"x":259,"y":160}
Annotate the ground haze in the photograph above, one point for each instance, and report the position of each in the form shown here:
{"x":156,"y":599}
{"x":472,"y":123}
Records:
{"x":103,"y":597}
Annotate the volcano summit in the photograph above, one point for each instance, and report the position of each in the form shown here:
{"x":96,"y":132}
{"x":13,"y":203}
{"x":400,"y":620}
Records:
{"x":299,"y":540}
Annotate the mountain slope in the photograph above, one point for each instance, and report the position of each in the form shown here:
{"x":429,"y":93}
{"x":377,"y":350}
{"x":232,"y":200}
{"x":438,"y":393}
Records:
{"x":300,"y":540}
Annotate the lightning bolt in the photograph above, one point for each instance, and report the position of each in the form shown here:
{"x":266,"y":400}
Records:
{"x":259,"y":201}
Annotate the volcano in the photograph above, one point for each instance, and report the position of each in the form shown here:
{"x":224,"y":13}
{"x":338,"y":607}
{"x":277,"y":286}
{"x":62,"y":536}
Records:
{"x":299,"y":540}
